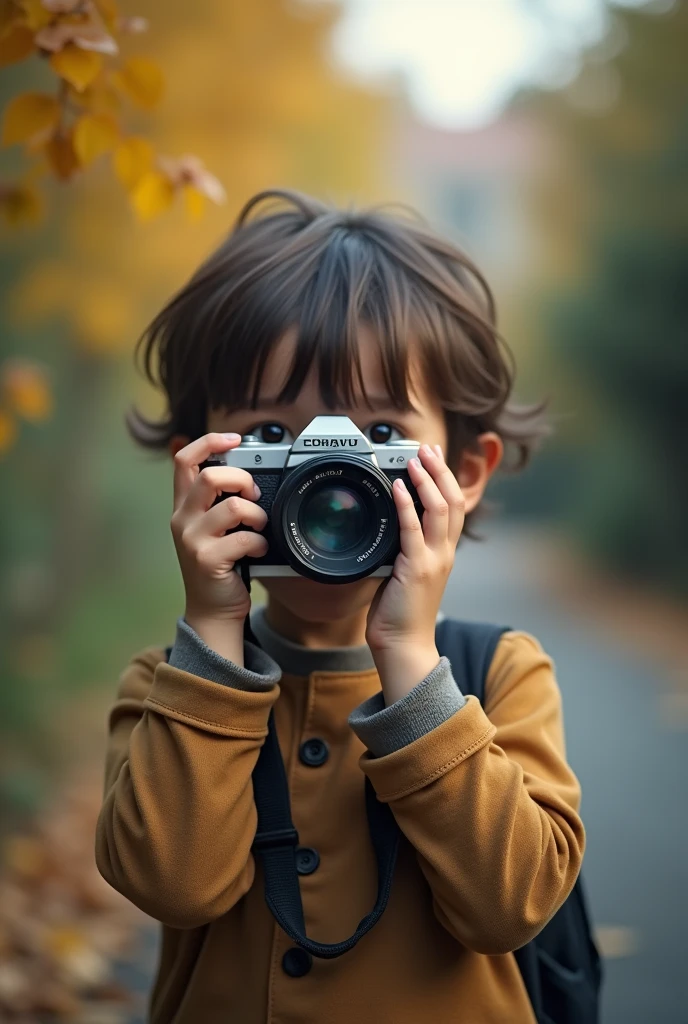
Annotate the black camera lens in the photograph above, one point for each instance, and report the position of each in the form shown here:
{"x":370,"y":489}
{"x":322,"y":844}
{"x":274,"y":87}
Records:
{"x":333,"y":520}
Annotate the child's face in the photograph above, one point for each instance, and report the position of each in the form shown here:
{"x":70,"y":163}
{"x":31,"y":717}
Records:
{"x":320,"y":602}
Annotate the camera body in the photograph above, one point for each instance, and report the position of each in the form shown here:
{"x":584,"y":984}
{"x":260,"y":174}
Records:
{"x":328,"y":498}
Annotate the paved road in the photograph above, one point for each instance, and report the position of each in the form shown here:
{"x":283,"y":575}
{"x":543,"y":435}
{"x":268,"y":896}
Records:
{"x":633,"y":775}
{"x":633,"y":772}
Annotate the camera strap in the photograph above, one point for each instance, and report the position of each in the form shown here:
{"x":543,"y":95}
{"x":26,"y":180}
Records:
{"x":276,"y":840}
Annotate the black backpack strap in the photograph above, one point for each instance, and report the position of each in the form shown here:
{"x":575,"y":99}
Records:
{"x":561,"y":967}
{"x":470,"y":647}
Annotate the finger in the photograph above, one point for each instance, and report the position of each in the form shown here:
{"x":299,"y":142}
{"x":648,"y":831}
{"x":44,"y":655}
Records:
{"x":411,"y":538}
{"x":188,"y":459}
{"x":213,"y":481}
{"x":229,"y":549}
{"x":451,"y":490}
{"x":226,"y":515}
{"x":436,"y":515}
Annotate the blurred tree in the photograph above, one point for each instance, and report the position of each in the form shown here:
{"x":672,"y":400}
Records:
{"x":65,"y":128}
{"x":616,"y":314}
{"x":88,"y":570}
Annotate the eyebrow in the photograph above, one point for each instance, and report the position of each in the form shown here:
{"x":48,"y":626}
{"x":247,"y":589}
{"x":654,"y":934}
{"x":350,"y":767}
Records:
{"x":377,"y":403}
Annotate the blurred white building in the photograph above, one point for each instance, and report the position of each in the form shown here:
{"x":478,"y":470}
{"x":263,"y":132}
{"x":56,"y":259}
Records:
{"x":477,"y":186}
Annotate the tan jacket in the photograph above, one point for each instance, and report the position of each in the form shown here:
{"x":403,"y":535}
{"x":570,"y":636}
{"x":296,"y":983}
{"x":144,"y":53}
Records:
{"x":492,"y":844}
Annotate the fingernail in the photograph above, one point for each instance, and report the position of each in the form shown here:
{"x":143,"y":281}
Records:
{"x":400,"y":485}
{"x":416,"y":462}
{"x":438,"y":450}
{"x":426,"y":449}
{"x":257,"y":490}
{"x":232,"y":436}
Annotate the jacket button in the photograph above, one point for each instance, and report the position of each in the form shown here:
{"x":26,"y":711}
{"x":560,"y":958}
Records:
{"x":296,"y":962}
{"x":314,"y":752}
{"x":307,"y":860}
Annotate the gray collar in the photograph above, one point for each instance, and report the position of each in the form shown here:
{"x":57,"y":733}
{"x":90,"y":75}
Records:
{"x":301,"y":661}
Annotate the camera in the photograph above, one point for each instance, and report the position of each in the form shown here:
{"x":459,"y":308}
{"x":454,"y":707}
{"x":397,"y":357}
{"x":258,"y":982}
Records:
{"x":328,"y":498}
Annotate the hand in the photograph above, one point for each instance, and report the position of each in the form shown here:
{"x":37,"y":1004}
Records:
{"x":401,"y":620}
{"x":217,"y":601}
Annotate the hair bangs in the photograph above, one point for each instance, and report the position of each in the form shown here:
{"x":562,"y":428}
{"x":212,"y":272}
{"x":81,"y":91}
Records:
{"x":349,"y":286}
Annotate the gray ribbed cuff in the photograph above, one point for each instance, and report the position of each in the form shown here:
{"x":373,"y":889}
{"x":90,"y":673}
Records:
{"x":191,"y":654}
{"x":386,"y":729}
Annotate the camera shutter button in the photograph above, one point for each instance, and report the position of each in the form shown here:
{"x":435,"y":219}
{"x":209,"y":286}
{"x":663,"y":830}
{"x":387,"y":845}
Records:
{"x":250,"y":439}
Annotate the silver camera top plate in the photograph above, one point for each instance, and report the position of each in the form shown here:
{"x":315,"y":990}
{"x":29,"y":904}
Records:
{"x":324,"y":435}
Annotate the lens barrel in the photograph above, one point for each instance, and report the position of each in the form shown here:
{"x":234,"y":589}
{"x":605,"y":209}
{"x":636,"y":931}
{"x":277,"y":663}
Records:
{"x":335,"y":518}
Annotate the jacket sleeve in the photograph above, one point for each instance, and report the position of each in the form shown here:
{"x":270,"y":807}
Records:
{"x":178,"y":818}
{"x":490,"y":804}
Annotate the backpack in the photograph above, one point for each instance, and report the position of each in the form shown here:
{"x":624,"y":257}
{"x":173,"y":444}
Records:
{"x":560,"y":967}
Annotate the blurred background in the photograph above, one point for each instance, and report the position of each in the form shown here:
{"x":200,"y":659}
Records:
{"x":550,"y":138}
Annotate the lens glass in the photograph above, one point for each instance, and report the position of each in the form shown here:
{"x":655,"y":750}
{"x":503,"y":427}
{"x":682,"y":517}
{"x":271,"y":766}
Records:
{"x":333,"y":520}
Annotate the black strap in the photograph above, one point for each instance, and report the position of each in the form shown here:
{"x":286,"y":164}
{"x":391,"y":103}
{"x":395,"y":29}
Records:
{"x":276,"y":838}
{"x":470,"y":647}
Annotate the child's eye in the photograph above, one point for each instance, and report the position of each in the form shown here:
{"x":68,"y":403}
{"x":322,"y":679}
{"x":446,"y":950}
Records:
{"x":381,"y":433}
{"x":272,"y":433}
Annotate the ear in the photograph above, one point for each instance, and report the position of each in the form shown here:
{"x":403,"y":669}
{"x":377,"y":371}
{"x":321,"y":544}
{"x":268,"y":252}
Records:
{"x":477,"y":466}
{"x":176,"y":443}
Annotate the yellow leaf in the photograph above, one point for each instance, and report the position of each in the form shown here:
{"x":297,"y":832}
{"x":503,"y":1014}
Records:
{"x":108,"y":12}
{"x":141,"y":79}
{"x":94,"y":134}
{"x":59,"y":152}
{"x":194,"y":202}
{"x":36,"y":15}
{"x":20,"y":204}
{"x":27,"y":115}
{"x":26,"y":388}
{"x":78,"y":67}
{"x":8,"y":431}
{"x":133,"y":158}
{"x":15,"y":45}
{"x":98,"y":98}
{"x":153,"y":195}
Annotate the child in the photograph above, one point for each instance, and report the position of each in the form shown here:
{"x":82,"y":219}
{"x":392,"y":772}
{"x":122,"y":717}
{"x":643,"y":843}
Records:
{"x":306,"y":310}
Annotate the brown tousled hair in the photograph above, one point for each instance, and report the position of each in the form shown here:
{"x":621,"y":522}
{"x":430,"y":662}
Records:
{"x":301,"y":263}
